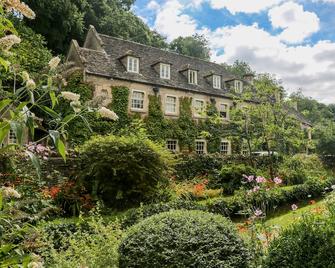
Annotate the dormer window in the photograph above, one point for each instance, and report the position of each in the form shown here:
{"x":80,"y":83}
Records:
{"x":165,"y":71}
{"x":238,"y":85}
{"x":217,"y":81}
{"x":192,"y":77}
{"x":133,"y":64}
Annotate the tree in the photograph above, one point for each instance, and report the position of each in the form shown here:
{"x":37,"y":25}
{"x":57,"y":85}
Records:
{"x":239,"y":68}
{"x":60,"y":21}
{"x":194,"y":46}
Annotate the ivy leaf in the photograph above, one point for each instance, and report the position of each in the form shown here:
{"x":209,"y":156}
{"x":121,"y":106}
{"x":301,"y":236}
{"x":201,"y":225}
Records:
{"x":36,"y":162}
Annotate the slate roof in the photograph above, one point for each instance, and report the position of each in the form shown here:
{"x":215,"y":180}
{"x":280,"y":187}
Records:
{"x":109,"y":64}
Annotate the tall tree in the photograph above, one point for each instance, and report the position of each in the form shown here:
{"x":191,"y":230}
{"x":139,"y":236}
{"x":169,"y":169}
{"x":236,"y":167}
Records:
{"x":62,"y":20}
{"x":194,"y":46}
{"x":239,"y":68}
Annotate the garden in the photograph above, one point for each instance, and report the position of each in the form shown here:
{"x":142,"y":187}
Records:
{"x":95,"y":186}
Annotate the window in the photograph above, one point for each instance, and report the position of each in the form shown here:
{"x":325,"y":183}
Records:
{"x":223,"y":110}
{"x":225,"y":147}
{"x":12,"y":137}
{"x":165,"y":71}
{"x":238,"y":86}
{"x":200,"y":146}
{"x":192,"y":77}
{"x":170,"y":105}
{"x":172,"y":145}
{"x":245,"y":148}
{"x":137,"y":100}
{"x":133,"y":65}
{"x":217,"y":81}
{"x":199,"y":107}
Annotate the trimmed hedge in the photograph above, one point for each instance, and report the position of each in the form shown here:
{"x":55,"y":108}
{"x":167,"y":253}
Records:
{"x":231,"y":206}
{"x":183,"y":239}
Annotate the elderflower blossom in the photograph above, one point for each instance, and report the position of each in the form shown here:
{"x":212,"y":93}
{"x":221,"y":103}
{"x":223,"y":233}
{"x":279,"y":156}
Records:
{"x":76,"y":106}
{"x":17,"y":5}
{"x":30,"y":84}
{"x":53,"y":63}
{"x":104,"y":112}
{"x":9,"y":192}
{"x":70,"y":96}
{"x":8,"y":41}
{"x":258,"y":213}
{"x":25,"y":76}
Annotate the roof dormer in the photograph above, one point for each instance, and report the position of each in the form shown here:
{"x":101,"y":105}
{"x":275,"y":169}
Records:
{"x":131,"y":62}
{"x":163,"y":68}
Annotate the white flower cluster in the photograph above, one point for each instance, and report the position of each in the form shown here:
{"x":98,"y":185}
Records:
{"x":53,"y":63}
{"x":17,"y":5}
{"x":70,"y":96}
{"x":8,"y":41}
{"x":76,"y":106}
{"x":9,"y":192}
{"x":106,"y":113}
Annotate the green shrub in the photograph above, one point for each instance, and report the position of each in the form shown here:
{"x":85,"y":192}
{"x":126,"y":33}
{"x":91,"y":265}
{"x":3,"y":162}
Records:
{"x":124,"y":171}
{"x":307,"y":244}
{"x":231,"y":176}
{"x":93,"y":244}
{"x":298,"y":168}
{"x":183,"y":239}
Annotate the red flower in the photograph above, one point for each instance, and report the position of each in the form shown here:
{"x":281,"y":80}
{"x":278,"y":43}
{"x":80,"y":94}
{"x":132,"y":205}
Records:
{"x":54,"y":190}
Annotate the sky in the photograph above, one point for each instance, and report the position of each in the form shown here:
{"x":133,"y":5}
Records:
{"x":295,"y":40}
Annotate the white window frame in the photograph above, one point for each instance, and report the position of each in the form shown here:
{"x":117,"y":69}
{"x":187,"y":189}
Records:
{"x":244,"y":148}
{"x":132,"y":98}
{"x":165,"y":71}
{"x":227,"y":110}
{"x":198,"y":113}
{"x":228,"y":148}
{"x":238,"y":85}
{"x":193,"y":77}
{"x":167,"y":103}
{"x":12,"y":139}
{"x":176,"y":144}
{"x":217,"y":81}
{"x":204,"y":148}
{"x":133,"y":64}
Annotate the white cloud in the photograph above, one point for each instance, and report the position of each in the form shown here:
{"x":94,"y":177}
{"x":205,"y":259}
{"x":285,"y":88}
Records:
{"x":245,"y":6}
{"x":296,"y":23}
{"x":310,"y":67}
{"x":152,"y":5}
{"x":172,"y":23}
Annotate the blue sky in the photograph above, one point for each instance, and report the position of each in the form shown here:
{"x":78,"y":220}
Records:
{"x":295,"y":40}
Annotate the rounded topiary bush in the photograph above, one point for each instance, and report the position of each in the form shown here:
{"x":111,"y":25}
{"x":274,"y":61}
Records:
{"x":307,"y":244}
{"x":124,"y":171}
{"x":183,"y":238}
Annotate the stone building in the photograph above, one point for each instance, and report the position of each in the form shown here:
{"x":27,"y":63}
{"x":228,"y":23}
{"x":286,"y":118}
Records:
{"x":108,"y":61}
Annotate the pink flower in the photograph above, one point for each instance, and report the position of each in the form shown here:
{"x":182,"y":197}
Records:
{"x":294,"y":207}
{"x":256,"y":188}
{"x":258,"y":213}
{"x":277,"y":180}
{"x":260,"y":179}
{"x":249,"y":178}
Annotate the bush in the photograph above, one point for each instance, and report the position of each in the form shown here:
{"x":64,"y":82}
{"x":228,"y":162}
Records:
{"x":308,"y":244}
{"x":298,"y":168}
{"x":231,"y":176}
{"x":89,"y":244}
{"x":183,"y":239}
{"x":124,"y":171}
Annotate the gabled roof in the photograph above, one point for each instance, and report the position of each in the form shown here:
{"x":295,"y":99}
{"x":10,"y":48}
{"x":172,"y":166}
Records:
{"x":108,"y":62}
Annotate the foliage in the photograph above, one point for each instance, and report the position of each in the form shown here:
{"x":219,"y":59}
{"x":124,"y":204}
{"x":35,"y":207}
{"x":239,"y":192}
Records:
{"x":309,"y":243}
{"x":230,"y":178}
{"x":112,"y":17}
{"x":183,"y":239}
{"x":298,"y":168}
{"x":97,"y":240}
{"x":123,"y":171}
{"x":195,"y":46}
{"x":239,"y":68}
